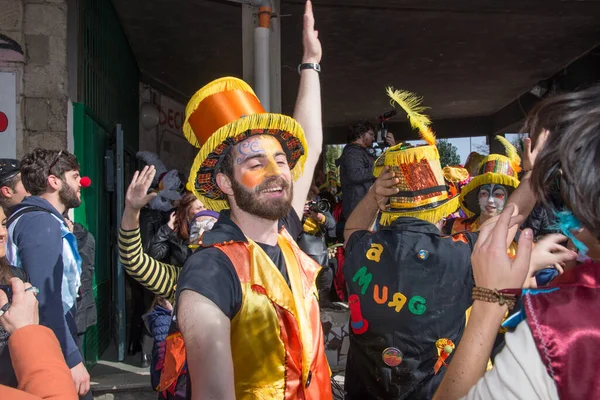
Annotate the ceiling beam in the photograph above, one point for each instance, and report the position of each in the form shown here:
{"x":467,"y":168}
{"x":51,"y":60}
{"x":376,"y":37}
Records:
{"x":444,"y":129}
{"x":512,"y":7}
{"x":583,"y":72}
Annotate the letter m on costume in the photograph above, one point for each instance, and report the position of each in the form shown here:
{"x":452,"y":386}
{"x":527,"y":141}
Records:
{"x":364,"y":278}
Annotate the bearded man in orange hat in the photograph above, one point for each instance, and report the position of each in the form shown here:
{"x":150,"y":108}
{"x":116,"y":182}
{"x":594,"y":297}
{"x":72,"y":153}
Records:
{"x":246,"y":300}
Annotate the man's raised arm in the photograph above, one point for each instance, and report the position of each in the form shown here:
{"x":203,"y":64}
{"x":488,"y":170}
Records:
{"x":308,"y":107}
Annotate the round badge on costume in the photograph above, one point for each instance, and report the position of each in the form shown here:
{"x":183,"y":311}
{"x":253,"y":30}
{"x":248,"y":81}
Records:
{"x":392,"y":356}
{"x":423,"y":254}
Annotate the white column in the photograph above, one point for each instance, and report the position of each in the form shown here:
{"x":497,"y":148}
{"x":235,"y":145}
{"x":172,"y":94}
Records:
{"x":262,"y":66}
{"x":249,"y":51}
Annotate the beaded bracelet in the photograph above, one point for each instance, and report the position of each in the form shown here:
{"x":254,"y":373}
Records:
{"x":494,"y":296}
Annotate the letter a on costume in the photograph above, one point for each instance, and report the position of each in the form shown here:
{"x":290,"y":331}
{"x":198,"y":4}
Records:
{"x":398,"y":301}
{"x":384,"y":296}
{"x":364,"y":278}
{"x":374,"y":253}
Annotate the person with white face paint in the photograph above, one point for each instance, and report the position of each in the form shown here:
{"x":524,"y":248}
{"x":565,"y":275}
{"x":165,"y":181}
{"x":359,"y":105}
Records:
{"x":492,"y":199}
{"x":485,"y":196}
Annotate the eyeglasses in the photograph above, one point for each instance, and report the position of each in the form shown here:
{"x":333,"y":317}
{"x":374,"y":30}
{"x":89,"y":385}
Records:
{"x":54,"y":162}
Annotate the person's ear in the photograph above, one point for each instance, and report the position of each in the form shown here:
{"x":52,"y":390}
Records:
{"x":54,"y":182}
{"x":224,"y":184}
{"x":6,"y":192}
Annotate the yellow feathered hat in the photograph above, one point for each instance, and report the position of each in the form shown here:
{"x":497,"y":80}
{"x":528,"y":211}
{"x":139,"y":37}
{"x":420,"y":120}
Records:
{"x":493,"y":169}
{"x":423,"y":191}
{"x":222,"y":114}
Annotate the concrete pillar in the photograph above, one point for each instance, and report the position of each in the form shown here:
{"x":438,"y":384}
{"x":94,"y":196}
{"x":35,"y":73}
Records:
{"x":249,"y":22}
{"x":39,"y":28}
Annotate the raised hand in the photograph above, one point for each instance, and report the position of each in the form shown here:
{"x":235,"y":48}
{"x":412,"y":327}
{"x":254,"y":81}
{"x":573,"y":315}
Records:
{"x":529,"y":154}
{"x":492,"y":267}
{"x":310,"y":37}
{"x":548,"y":252}
{"x":137,"y":195}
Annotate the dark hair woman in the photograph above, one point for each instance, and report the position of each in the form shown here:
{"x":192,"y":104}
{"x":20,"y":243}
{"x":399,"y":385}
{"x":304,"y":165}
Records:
{"x":170,"y":243}
{"x":7,"y":374}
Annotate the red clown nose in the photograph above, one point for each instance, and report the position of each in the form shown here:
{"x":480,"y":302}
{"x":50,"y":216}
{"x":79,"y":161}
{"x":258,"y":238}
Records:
{"x":85,"y":182}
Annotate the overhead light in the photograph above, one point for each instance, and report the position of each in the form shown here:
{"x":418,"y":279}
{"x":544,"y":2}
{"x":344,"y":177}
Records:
{"x":149,"y":116}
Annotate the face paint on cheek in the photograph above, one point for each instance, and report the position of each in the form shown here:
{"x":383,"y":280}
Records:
{"x":251,"y":179}
{"x":499,"y":197}
{"x":267,"y":145}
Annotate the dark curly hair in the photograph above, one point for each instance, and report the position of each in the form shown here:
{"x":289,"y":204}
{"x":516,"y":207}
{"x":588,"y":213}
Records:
{"x":359,"y":129}
{"x":570,"y":159}
{"x":38,"y":165}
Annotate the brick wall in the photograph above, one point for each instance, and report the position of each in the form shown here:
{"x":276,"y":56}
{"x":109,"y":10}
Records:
{"x":39,"y":27}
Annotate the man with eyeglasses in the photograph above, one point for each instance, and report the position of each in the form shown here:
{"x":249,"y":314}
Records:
{"x":12,"y":191}
{"x":41,"y":244}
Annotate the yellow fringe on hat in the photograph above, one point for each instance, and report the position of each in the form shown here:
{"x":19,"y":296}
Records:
{"x":511,"y":152}
{"x":432,"y":215}
{"x":219,"y":85}
{"x":411,"y":104}
{"x":485,"y":179}
{"x":256,"y":121}
{"x":396,"y":156}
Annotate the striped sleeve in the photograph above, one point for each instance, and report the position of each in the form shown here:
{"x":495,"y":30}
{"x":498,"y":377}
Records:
{"x":160,"y":278}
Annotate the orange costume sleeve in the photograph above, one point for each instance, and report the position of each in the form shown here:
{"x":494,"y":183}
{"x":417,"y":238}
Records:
{"x":39,"y":366}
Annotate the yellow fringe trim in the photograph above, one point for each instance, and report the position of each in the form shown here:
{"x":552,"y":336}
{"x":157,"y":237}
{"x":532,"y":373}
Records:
{"x":432,"y":215}
{"x":511,"y":152}
{"x":256,"y":121}
{"x":217,"y":86}
{"x":396,"y":156}
{"x":484,"y":179}
{"x":411,"y":104}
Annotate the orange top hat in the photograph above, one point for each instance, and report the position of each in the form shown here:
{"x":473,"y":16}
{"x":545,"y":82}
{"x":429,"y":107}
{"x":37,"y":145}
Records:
{"x":224,"y":113}
{"x":423,"y":188}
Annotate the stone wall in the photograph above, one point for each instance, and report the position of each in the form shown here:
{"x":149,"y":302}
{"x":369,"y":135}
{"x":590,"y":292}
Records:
{"x":39,"y":28}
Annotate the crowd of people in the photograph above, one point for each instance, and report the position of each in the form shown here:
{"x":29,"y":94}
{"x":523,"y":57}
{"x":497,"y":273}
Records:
{"x":475,"y":282}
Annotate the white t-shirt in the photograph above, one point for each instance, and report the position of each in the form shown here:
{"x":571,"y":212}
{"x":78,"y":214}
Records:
{"x":518,"y":372}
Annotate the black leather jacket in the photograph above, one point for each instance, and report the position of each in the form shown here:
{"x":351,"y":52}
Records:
{"x":167,"y":247}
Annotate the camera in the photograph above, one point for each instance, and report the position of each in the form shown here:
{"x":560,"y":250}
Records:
{"x":382,"y":131}
{"x":319,"y":205}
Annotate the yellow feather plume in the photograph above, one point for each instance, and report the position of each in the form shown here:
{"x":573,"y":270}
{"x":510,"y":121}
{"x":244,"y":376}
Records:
{"x":511,"y":153}
{"x":411,"y":104}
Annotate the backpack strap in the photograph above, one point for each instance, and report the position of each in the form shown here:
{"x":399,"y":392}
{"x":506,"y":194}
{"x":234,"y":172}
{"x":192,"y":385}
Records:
{"x":22,"y":211}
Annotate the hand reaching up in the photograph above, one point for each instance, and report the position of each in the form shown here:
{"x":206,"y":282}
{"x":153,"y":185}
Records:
{"x":137,"y":193}
{"x":529,"y":154}
{"x":310,"y":37}
{"x":492,"y":267}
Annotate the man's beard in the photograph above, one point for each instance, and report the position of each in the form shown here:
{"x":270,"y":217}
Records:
{"x":68,"y":196}
{"x":272,"y":209}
